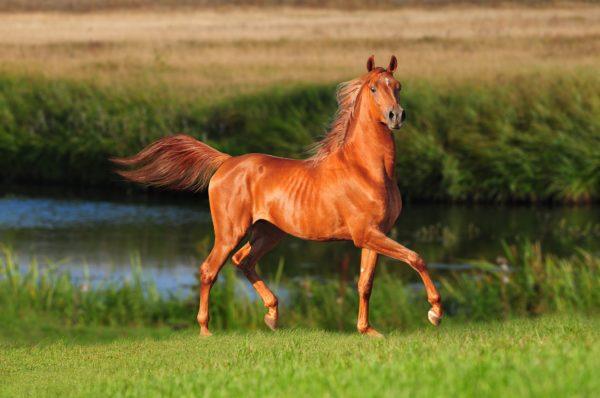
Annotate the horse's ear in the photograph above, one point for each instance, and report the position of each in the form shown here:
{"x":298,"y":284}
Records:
{"x":393,"y":64}
{"x":371,"y":63}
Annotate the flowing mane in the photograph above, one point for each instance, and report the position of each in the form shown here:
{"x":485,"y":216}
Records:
{"x":346,"y":95}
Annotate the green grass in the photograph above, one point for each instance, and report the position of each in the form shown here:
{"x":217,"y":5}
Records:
{"x":537,"y":284}
{"x":525,"y":138}
{"x":544,"y":357}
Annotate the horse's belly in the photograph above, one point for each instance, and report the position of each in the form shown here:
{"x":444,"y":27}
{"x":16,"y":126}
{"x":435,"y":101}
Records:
{"x":310,"y":221}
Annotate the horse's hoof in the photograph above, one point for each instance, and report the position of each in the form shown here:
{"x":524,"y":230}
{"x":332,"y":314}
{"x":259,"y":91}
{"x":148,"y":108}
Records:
{"x":204,"y":332}
{"x":371,"y":332}
{"x":271,"y":322}
{"x":434,"y":318}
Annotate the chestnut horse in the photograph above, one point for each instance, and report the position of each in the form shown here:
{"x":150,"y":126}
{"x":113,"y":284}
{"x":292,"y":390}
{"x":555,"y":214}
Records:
{"x":346,"y":191}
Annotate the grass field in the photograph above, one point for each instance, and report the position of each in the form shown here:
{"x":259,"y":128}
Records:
{"x":216,"y":52}
{"x":543,"y":357}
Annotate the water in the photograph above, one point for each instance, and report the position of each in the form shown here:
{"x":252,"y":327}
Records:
{"x":170,"y":239}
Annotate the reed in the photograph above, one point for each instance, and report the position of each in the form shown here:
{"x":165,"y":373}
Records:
{"x":534,"y":284}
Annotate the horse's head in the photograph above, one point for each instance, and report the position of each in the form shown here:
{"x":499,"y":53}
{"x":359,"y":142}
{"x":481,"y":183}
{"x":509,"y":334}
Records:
{"x":384,"y":93}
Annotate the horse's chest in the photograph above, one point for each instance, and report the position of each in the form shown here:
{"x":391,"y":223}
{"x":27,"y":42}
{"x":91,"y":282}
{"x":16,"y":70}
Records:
{"x":385,"y":205}
{"x":393,"y":206}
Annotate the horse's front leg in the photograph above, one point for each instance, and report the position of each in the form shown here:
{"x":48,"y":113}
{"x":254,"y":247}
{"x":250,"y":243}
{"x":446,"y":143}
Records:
{"x":368,"y":263}
{"x":379,"y":242}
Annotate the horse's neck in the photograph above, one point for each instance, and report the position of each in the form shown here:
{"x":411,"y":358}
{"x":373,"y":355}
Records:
{"x":370,"y":145}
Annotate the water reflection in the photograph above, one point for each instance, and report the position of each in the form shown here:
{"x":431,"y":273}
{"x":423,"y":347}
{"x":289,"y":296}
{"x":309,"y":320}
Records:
{"x":171,"y":239}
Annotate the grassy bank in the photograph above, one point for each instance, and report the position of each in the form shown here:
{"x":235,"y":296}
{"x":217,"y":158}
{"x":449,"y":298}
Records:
{"x":528,"y":138}
{"x":547,"y":356}
{"x":537,"y":284}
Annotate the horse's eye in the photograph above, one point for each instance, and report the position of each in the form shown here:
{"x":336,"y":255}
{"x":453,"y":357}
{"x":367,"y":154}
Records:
{"x":373,"y":89}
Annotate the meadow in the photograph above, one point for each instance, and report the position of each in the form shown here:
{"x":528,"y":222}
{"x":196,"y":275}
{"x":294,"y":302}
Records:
{"x":546,"y":356}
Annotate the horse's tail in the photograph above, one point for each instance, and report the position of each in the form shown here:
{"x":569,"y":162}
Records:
{"x":177,"y":162}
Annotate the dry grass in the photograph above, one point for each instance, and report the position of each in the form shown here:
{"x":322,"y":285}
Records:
{"x":231,"y":50}
{"x":95,"y":5}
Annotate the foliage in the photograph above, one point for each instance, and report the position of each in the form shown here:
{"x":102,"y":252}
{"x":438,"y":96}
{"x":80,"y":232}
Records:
{"x":533,"y":138}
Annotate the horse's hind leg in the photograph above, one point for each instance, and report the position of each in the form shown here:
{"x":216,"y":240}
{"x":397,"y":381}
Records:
{"x":226,"y":238}
{"x":264,"y":237}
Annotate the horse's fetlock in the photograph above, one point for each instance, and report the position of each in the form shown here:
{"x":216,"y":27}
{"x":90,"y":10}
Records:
{"x":202,"y":319}
{"x":271,"y":302}
{"x":362,"y":327}
{"x":435,"y":299}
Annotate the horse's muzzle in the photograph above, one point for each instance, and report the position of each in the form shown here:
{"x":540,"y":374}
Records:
{"x":395,"y":118}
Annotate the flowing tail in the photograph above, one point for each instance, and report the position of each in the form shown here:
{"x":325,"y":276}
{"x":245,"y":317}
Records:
{"x":177,"y":162}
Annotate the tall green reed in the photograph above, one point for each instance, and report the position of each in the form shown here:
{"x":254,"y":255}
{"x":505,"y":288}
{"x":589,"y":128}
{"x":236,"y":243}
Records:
{"x":532,"y":284}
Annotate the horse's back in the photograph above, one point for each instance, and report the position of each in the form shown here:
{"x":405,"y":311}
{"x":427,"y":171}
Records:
{"x":244,"y":177}
{"x":253,"y":165}
{"x":285,"y":192}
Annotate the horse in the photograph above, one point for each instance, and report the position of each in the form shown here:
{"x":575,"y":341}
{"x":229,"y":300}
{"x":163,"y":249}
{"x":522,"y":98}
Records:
{"x":346,"y":190}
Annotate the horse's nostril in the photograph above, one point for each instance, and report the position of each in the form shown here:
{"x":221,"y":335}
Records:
{"x":403,"y":117}
{"x":391,"y":115}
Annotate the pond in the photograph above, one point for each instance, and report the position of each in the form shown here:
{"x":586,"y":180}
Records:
{"x":169,"y":238}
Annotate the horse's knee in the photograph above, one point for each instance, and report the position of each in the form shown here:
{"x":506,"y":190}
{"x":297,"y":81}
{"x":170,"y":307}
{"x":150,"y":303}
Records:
{"x":365,"y":295}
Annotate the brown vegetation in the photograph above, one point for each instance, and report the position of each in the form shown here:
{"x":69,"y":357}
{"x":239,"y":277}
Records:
{"x":228,"y":50}
{"x":96,"y":5}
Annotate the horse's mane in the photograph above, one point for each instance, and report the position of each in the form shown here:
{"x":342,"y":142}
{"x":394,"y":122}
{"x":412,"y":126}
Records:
{"x":346,"y":94}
